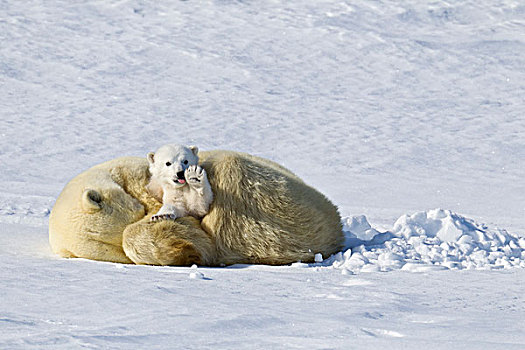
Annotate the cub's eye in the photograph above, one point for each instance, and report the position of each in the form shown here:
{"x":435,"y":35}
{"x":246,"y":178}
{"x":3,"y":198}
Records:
{"x":185,"y":162}
{"x":168,"y":163}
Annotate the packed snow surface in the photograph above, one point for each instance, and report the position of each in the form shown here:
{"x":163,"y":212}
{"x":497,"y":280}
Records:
{"x":390,"y":108}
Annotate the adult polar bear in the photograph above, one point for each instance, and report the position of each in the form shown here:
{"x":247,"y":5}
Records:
{"x":261,"y":214}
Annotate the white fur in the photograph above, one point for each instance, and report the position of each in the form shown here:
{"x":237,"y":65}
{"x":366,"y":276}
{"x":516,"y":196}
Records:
{"x":193,"y":196}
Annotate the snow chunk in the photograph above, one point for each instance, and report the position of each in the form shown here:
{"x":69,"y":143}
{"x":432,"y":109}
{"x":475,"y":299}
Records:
{"x":299,"y":265}
{"x":357,"y":230}
{"x":195,"y":274}
{"x":360,"y":227}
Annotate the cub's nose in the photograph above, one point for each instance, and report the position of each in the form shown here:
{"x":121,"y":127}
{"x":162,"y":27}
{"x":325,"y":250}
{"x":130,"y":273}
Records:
{"x":180,"y":175}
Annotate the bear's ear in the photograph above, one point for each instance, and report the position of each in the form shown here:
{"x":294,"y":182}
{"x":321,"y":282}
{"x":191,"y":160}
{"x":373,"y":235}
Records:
{"x":91,"y":200}
{"x":194,"y":149}
{"x":151,"y":157}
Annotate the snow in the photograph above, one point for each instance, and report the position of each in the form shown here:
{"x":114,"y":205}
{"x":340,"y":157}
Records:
{"x":390,"y":108}
{"x":439,"y":238}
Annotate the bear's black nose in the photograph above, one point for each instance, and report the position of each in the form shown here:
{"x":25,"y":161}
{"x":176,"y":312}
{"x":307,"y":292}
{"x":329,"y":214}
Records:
{"x":180,"y":175}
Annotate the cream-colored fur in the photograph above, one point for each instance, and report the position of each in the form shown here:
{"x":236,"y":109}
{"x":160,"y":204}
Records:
{"x":261,"y":213}
{"x":95,"y":207}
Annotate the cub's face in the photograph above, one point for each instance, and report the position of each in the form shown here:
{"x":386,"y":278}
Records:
{"x":169,"y":162}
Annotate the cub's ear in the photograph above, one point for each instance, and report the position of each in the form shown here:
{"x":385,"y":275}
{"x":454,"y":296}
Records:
{"x":91,"y":200}
{"x":151,"y":157}
{"x":194,"y":149}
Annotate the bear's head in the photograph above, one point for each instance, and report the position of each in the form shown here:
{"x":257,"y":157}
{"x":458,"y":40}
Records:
{"x":168,"y":164}
{"x":83,"y":218}
{"x":110,"y":211}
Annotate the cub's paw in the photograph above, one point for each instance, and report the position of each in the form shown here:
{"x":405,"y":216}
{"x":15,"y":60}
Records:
{"x":195,"y":175}
{"x":160,"y":217}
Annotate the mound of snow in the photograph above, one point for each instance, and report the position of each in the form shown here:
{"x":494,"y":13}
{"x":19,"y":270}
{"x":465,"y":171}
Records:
{"x":195,"y":273}
{"x":427,"y":240}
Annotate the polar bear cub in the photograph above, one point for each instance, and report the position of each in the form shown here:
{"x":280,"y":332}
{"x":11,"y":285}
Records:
{"x":182,"y":184}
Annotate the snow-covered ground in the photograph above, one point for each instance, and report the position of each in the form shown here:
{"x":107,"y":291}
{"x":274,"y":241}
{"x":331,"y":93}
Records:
{"x":390,"y":108}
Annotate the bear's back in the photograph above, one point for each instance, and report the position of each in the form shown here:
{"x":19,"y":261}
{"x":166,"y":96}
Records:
{"x":263,"y":213}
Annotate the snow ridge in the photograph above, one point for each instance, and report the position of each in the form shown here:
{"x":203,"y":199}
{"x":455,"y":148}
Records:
{"x":26,"y":209}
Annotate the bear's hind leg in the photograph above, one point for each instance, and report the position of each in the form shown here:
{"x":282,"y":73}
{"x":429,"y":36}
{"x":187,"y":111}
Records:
{"x":181,"y":242}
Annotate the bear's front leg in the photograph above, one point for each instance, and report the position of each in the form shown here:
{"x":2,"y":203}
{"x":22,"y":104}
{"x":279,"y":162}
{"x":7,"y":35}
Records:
{"x":201,"y":195}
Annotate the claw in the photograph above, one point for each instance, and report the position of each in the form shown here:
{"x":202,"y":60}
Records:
{"x":163,"y":217}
